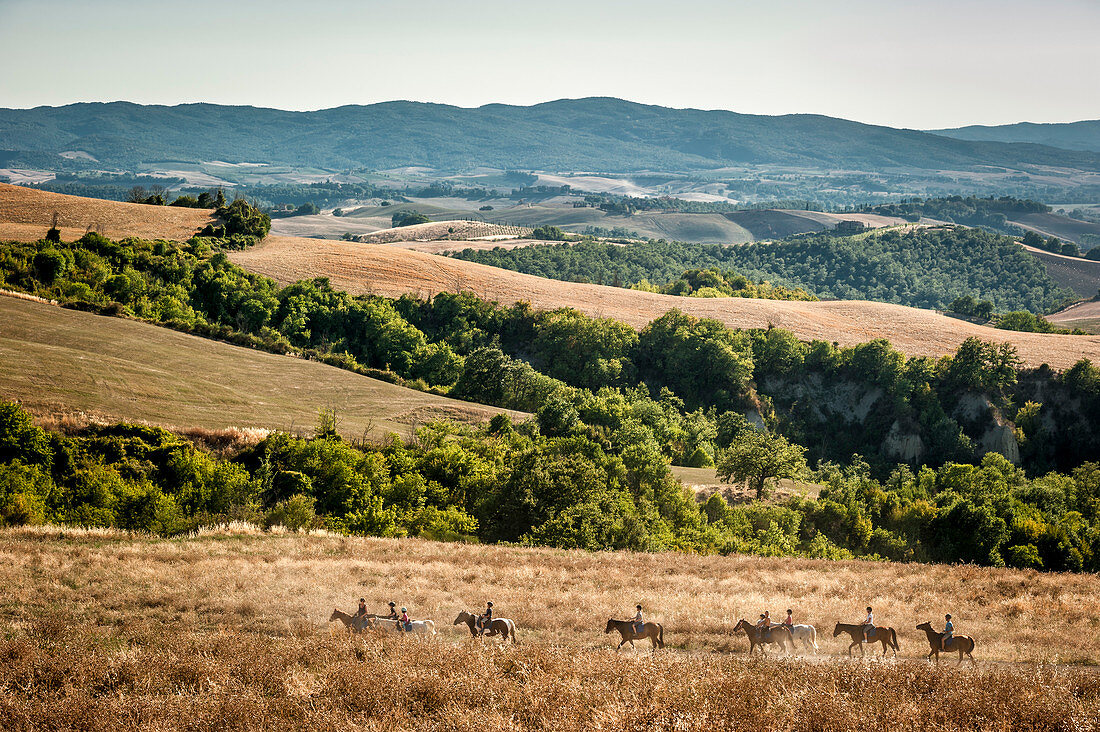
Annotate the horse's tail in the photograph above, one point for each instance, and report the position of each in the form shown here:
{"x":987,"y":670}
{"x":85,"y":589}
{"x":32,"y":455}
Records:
{"x":512,"y":630}
{"x":813,"y":638}
{"x":431,"y":626}
{"x":660,"y":636}
{"x":894,"y":638}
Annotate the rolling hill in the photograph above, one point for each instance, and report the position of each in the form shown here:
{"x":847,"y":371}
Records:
{"x":389,"y":271}
{"x":1057,"y":225}
{"x":1084,"y":135}
{"x":59,"y":361}
{"x":566,"y":135}
{"x":393,"y":271}
{"x":26,"y":214}
{"x":1080,"y":275}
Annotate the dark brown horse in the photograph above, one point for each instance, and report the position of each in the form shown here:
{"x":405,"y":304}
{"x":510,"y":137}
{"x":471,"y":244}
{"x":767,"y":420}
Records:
{"x":655,"y":632}
{"x":780,"y":635}
{"x":961,"y":643}
{"x":886,"y":636}
{"x":499,"y":626}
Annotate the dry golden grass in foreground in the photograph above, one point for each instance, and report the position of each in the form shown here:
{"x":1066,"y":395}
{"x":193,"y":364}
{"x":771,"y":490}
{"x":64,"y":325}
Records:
{"x":104,"y":631}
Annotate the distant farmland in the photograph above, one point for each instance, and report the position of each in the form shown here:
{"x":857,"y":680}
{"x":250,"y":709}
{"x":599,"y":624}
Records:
{"x":1080,"y":275}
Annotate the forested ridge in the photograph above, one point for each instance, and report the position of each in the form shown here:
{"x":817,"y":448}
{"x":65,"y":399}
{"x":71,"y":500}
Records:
{"x":927,"y":267}
{"x":613,"y":408}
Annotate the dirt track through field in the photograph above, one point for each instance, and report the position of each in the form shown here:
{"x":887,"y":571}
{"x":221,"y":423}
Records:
{"x":388,"y":271}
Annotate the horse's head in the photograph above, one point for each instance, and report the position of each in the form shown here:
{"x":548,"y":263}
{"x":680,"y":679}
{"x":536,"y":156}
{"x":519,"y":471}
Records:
{"x":335,"y":615}
{"x":463,"y":617}
{"x":837,"y":630}
{"x":610,"y":626}
{"x":741,"y":625}
{"x":924,"y":626}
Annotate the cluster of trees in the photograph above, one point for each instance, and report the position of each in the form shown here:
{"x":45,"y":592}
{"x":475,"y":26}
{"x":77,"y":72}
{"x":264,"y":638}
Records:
{"x":989,"y":212}
{"x":548,"y":233}
{"x":544,"y":482}
{"x":408,"y":218}
{"x":925,"y":268}
{"x":683,"y":373}
{"x":715,"y":283}
{"x":1051,"y":244}
{"x":1019,"y":320}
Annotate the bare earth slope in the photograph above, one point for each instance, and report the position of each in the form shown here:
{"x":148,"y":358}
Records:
{"x":62,"y":361}
{"x":26,"y":214}
{"x":1080,"y":275}
{"x":382,"y":270}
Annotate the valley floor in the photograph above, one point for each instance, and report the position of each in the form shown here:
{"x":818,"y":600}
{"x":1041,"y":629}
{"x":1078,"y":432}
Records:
{"x":103,"y":630}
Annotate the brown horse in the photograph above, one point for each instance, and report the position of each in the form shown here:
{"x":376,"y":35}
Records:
{"x":780,"y":635}
{"x":655,"y":632}
{"x":886,"y":636}
{"x":499,"y":626}
{"x":353,"y":623}
{"x":961,"y":643}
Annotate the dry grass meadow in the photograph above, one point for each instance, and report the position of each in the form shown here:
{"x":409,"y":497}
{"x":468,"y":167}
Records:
{"x":386,"y":270}
{"x":57,"y":361}
{"x":391,"y":271}
{"x":26,"y":214}
{"x":101,"y":630}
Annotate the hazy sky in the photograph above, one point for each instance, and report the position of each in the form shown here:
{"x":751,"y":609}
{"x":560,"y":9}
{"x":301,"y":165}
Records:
{"x":911,"y":63}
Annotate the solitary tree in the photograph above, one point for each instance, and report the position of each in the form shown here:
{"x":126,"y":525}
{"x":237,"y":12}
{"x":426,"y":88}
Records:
{"x":759,"y":458}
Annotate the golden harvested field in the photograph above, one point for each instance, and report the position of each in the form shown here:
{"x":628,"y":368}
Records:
{"x":230,"y":630}
{"x":27,"y":213}
{"x":57,"y":361}
{"x":384,"y":270}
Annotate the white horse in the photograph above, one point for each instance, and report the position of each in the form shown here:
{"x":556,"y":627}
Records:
{"x":418,"y":627}
{"x":806,"y":634}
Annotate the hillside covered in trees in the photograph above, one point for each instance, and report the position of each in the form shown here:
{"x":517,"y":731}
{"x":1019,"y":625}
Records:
{"x":911,"y":451}
{"x":927,"y":268}
{"x":563,"y":135}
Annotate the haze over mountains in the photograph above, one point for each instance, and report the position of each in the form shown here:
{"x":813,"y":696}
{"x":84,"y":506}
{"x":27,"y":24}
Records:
{"x":1084,"y":135}
{"x":567,"y":135}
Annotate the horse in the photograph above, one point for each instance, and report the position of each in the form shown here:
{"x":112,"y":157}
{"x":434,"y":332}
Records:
{"x":354,"y":623}
{"x":499,"y":626}
{"x":419,"y":627}
{"x":961,"y":643}
{"x":779,"y":634}
{"x":886,"y":636}
{"x":806,"y":635}
{"x":655,"y":632}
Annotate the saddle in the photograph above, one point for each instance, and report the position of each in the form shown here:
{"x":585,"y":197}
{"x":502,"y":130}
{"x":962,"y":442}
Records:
{"x":949,"y":643}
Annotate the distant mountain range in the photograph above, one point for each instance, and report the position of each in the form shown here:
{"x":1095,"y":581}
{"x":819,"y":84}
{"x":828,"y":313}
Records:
{"x":1069,"y":135}
{"x":594,"y":134}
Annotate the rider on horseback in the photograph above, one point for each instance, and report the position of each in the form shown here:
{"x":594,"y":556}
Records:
{"x":362,"y":608}
{"x":485,"y":620}
{"x":639,"y":624}
{"x":948,"y":633}
{"x":403,"y":622}
{"x":393,"y":611}
{"x":868,"y":626}
{"x":789,"y":621}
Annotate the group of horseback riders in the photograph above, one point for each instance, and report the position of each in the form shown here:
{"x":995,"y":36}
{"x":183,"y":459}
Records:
{"x":404,"y":623}
{"x":765,"y":624}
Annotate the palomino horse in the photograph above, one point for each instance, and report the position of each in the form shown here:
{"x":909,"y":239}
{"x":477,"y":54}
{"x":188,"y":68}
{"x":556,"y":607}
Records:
{"x":961,"y":643}
{"x":778,"y":634}
{"x":886,"y":636}
{"x":806,"y":635}
{"x":499,"y":626}
{"x":654,"y":631}
{"x":418,"y":627}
